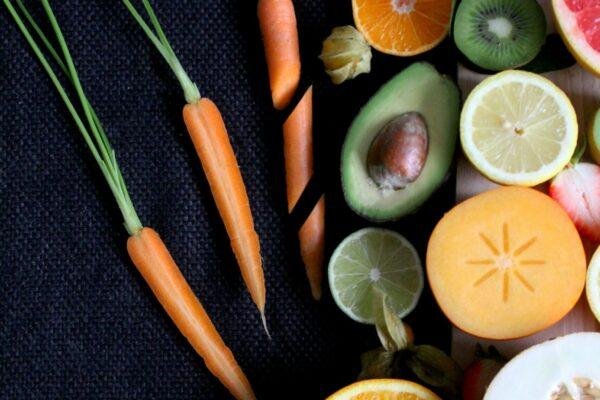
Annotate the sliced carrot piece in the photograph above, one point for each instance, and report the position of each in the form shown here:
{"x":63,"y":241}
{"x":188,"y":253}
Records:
{"x":277,"y":20}
{"x":298,"y":151}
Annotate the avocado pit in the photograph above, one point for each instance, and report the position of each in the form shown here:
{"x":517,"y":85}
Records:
{"x":399,"y":151}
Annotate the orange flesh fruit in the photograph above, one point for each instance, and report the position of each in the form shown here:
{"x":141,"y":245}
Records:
{"x":506,"y":263}
{"x":403,"y":27}
{"x":384,"y":389}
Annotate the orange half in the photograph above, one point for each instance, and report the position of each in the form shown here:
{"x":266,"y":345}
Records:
{"x":403,"y":27}
{"x":384,"y":389}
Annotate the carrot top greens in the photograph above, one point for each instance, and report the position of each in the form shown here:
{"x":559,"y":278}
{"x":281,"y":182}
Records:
{"x":89,"y":125}
{"x":159,"y":39}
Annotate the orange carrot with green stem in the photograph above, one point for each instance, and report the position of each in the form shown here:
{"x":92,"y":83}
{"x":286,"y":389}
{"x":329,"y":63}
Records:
{"x":277,"y":20}
{"x":298,"y":152}
{"x":147,"y":251}
{"x":211,"y":141}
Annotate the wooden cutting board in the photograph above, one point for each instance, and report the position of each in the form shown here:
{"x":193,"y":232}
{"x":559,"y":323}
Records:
{"x":584,"y":91}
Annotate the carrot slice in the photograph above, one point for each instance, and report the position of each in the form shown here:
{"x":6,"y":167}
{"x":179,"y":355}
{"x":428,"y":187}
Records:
{"x":298,"y":152}
{"x":277,"y":20}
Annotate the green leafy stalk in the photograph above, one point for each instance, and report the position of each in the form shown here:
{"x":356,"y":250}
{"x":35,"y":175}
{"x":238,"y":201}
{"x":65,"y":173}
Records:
{"x":97,"y":142}
{"x":160,"y":41}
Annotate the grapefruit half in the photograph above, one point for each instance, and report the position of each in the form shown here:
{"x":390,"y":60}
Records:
{"x":578,"y":22}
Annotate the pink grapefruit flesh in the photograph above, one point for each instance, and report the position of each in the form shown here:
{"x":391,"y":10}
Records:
{"x":578,"y":22}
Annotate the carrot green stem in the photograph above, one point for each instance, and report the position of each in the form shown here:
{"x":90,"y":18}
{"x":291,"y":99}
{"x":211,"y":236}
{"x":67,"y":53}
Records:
{"x":97,"y":142}
{"x":160,"y":41}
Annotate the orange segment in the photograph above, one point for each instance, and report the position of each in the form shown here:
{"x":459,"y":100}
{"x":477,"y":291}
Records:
{"x":403,"y":27}
{"x":506,"y":263}
{"x":384,"y":389}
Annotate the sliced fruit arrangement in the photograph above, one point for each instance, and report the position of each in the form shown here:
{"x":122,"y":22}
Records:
{"x":403,"y":27}
{"x":481,"y":372}
{"x":518,"y":128}
{"x":577,"y":190}
{"x":506,"y":263}
{"x":566,"y":368}
{"x":594,"y":137}
{"x":577,"y":22}
{"x":592,"y":286}
{"x":384,"y":389}
{"x":401,"y":144}
{"x":499,"y":34}
{"x":373,"y":264}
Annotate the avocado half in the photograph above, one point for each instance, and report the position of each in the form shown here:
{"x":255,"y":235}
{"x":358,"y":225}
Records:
{"x":418,"y":88}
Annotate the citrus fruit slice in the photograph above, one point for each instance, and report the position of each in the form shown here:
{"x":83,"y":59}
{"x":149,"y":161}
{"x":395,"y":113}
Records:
{"x":372,"y":264}
{"x":403,"y":27}
{"x":384,"y":389}
{"x":594,"y":137}
{"x":577,"y":22}
{"x":506,"y":263}
{"x":518,"y":128}
{"x":592,"y":287}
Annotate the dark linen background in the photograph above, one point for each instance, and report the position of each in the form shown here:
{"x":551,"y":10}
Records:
{"x":76,"y":319}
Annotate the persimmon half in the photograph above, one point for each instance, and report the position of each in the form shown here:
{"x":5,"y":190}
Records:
{"x":506,"y":263}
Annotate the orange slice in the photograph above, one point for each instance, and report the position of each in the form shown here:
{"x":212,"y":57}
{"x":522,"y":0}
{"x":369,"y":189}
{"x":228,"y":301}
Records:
{"x":403,"y":27}
{"x":384,"y":389}
{"x":506,"y":263}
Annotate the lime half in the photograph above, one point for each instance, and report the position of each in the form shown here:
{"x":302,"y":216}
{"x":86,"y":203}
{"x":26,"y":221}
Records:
{"x":373,"y":264}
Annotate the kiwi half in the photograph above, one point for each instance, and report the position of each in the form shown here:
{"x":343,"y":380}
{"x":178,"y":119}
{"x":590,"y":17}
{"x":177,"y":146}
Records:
{"x":499,"y":34}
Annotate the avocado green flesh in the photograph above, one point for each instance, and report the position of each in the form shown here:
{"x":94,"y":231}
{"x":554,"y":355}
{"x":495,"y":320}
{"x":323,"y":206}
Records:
{"x":418,"y":88}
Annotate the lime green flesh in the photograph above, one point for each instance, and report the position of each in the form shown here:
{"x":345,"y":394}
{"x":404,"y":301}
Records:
{"x":594,"y":138}
{"x":371,"y":265}
{"x":418,"y":88}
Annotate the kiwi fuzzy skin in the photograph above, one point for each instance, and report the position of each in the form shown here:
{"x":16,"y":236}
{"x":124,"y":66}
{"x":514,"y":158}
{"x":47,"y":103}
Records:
{"x":487,"y":50}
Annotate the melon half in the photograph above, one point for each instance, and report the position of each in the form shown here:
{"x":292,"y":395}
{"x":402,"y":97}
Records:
{"x":564,"y":368}
{"x":578,"y":22}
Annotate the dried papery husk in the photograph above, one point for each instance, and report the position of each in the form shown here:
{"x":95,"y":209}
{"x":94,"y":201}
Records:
{"x":346,"y":54}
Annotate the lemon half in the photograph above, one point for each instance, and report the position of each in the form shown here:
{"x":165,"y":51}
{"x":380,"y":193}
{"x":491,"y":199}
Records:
{"x":518,"y":128}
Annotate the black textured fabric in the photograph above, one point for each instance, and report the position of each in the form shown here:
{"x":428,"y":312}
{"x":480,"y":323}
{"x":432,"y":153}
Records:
{"x":76,"y":319}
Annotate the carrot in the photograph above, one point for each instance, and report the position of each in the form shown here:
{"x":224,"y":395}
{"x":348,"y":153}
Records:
{"x":153,"y":260}
{"x":298,"y":152}
{"x":277,"y":21}
{"x":147,"y":251}
{"x":209,"y":135}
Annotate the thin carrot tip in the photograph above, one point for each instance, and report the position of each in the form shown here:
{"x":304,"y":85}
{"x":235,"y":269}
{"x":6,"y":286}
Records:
{"x":264,"y":322}
{"x":316,"y":291}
